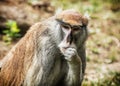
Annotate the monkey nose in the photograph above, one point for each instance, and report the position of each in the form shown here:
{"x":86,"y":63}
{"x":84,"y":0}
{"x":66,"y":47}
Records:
{"x":69,"y":37}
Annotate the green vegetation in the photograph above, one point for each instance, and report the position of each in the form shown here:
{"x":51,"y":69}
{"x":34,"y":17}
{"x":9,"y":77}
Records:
{"x":11,"y":32}
{"x":90,"y":6}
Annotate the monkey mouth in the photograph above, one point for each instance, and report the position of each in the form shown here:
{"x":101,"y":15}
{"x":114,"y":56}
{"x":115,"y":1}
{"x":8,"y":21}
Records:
{"x":62,"y":50}
{"x":63,"y":46}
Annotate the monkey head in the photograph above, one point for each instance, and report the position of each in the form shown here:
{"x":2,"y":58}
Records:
{"x":73,"y":26}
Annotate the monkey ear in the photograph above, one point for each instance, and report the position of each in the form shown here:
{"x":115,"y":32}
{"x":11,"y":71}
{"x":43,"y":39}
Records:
{"x":86,"y":18}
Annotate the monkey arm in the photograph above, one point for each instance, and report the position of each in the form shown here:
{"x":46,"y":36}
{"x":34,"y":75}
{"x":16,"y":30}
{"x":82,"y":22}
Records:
{"x":74,"y":73}
{"x":82,"y":55}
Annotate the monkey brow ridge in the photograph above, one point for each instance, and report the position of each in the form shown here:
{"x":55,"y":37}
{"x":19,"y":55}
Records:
{"x":64,"y":23}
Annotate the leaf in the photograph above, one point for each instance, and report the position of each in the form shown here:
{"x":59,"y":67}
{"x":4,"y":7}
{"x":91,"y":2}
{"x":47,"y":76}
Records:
{"x":6,"y":31}
{"x":14,"y":28}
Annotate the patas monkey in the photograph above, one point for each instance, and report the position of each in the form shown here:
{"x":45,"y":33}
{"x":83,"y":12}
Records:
{"x":52,"y":53}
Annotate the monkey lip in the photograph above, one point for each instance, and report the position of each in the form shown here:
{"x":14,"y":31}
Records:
{"x":62,"y":50}
{"x":65,"y":45}
{"x":62,"y":46}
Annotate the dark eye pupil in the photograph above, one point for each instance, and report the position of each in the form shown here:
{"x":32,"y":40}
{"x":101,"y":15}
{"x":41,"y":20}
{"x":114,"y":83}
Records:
{"x":76,"y":28}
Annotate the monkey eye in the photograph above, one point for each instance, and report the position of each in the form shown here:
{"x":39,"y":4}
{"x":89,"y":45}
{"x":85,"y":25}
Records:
{"x":76,"y":28}
{"x":65,"y":26}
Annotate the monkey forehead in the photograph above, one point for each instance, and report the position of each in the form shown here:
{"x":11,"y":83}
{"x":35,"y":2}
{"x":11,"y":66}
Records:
{"x":70,"y":16}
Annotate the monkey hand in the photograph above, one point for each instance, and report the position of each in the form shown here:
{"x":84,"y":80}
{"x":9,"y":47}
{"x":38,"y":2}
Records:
{"x":71,"y":55}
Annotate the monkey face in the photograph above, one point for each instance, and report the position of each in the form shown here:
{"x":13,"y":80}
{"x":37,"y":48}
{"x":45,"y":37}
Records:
{"x":73,"y":26}
{"x":72,"y":35}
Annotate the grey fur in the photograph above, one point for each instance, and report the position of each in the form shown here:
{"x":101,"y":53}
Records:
{"x":53,"y":69}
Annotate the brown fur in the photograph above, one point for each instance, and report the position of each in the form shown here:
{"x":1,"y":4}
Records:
{"x":14,"y":70}
{"x":72,"y":17}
